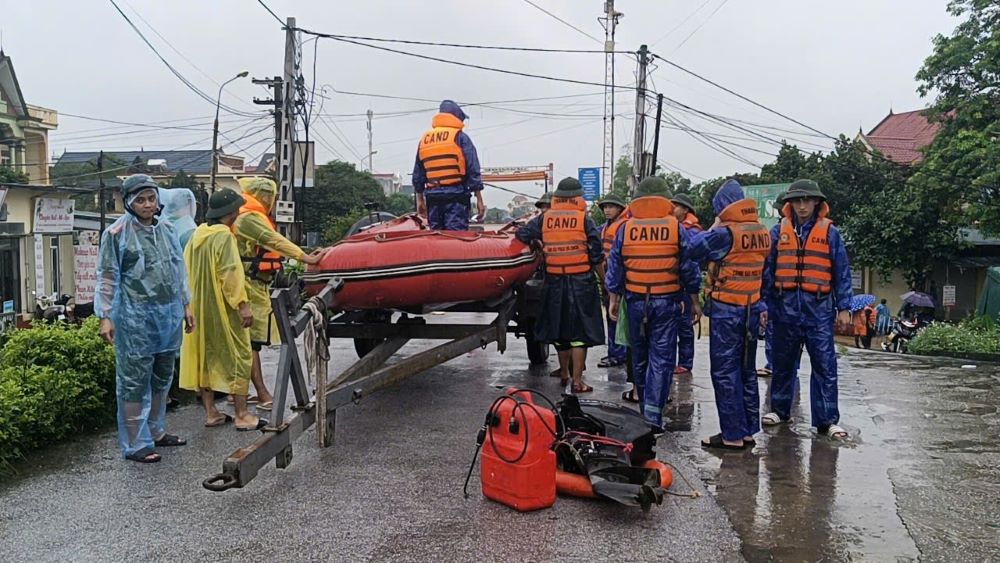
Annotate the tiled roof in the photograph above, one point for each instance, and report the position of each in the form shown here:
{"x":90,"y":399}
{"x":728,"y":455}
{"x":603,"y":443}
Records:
{"x":192,"y":161}
{"x":901,"y":136}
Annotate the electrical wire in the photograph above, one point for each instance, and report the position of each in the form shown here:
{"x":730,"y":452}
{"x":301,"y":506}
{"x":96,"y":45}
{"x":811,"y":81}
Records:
{"x":562,"y":21}
{"x":690,"y":35}
{"x":678,"y":26}
{"x":459,"y":45}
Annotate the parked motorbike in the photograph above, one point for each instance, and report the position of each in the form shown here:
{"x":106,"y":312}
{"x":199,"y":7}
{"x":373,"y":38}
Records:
{"x":54,"y":308}
{"x":903,"y":331}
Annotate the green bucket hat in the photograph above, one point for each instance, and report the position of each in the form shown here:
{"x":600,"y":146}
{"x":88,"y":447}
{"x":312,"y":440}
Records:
{"x":612,"y":199}
{"x":803,"y":188}
{"x":568,"y":187}
{"x":653,"y":186}
{"x":222,"y":203}
{"x":546,"y":199}
{"x":683,"y":199}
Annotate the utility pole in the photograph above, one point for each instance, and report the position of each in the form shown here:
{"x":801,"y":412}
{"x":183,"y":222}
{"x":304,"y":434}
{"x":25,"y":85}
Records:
{"x":610,"y":22}
{"x":370,"y":152}
{"x":101,"y":200}
{"x":640,"y":117}
{"x":656,"y":137}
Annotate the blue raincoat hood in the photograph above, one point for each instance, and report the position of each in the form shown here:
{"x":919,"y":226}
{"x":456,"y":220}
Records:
{"x":728,"y":194}
{"x":448,"y":106}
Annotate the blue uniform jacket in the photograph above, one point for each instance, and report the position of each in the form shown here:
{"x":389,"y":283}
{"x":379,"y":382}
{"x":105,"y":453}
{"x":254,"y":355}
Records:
{"x":805,"y":309}
{"x":532,"y":231}
{"x":473,"y":181}
{"x":712,"y":246}
{"x":614,"y":279}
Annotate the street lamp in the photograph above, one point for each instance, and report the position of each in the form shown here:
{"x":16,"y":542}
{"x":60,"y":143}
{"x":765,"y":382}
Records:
{"x":369,"y":157}
{"x":215,"y":128}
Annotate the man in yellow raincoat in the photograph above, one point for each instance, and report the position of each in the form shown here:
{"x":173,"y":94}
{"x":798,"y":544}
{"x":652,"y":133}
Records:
{"x":261,"y":249}
{"x":217,"y":356}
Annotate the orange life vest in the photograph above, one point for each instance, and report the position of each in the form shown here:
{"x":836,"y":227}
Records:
{"x":807,"y":267}
{"x":736,"y":279}
{"x":263,"y":260}
{"x":651,"y":247}
{"x":438,"y":151}
{"x":608,"y":236}
{"x":691,"y":222}
{"x":564,"y":237}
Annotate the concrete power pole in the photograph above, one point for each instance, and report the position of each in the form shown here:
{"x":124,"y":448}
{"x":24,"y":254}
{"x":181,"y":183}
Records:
{"x":610,"y":22}
{"x":640,"y":118}
{"x":370,"y":152}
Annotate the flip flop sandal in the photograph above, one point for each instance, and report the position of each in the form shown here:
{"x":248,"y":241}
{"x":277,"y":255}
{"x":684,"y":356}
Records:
{"x":169,"y":440}
{"x":835,"y":432}
{"x":261,"y":423}
{"x":717,"y":443}
{"x":630,"y":397}
{"x":226,"y":419}
{"x":145,"y":455}
{"x":582,"y":388}
{"x":266,"y":406}
{"x":250,"y":400}
{"x":772,"y":419}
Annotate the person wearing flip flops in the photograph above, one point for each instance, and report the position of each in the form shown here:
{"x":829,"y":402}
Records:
{"x":648,"y":267}
{"x":684,"y":211}
{"x":571,"y":305}
{"x":736,"y":246}
{"x":217,"y":356}
{"x":807,"y":284}
{"x":142,"y":300}
{"x":615,"y":212}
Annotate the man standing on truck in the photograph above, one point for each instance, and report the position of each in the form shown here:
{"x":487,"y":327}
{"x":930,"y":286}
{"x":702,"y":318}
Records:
{"x":446,"y":172}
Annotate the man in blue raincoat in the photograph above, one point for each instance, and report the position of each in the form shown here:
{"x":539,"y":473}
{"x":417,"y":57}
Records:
{"x":779,"y":203}
{"x":736,"y":246}
{"x":807,"y":283}
{"x":648,"y":266}
{"x":142,"y":300}
{"x":684,"y":211}
{"x":446,"y":172}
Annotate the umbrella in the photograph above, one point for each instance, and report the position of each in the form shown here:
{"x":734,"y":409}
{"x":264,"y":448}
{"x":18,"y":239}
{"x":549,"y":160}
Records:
{"x":918,"y":299}
{"x":859,"y":302}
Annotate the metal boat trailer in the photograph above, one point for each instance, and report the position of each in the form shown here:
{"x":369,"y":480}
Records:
{"x":377,"y":338}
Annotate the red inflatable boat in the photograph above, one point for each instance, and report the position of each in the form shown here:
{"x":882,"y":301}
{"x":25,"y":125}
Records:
{"x":402,"y":264}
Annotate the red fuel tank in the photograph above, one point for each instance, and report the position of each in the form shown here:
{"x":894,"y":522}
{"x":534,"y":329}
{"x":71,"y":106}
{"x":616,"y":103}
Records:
{"x":518,"y":466}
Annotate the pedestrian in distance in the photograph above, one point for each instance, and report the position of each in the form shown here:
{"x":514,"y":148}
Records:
{"x":262,"y":250}
{"x":684,"y":212}
{"x":446,"y":172}
{"x":648,"y":269}
{"x":615,"y":213}
{"x":217,"y":356}
{"x":883,"y":321}
{"x":142,"y":299}
{"x":736,"y":246}
{"x":808,"y":279}
{"x":571,"y":305}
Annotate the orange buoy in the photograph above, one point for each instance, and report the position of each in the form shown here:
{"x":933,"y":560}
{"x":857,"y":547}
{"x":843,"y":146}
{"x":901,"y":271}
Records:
{"x":579,"y":485}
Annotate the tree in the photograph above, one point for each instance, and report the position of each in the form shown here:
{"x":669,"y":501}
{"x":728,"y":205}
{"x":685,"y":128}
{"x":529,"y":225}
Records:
{"x":339,"y":192}
{"x":400,"y":204}
{"x":495,"y":215}
{"x":183,"y":180}
{"x":86,"y":175}
{"x":11,"y":176}
{"x":964,"y":72}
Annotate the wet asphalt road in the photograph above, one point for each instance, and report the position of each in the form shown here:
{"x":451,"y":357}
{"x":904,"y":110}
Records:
{"x":919,"y":480}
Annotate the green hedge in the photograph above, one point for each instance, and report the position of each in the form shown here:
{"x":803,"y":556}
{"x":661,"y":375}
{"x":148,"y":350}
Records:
{"x":56,"y":380}
{"x":976,"y":337}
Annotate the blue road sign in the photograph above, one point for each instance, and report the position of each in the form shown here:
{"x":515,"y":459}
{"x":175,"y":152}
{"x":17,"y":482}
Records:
{"x":590,"y":179}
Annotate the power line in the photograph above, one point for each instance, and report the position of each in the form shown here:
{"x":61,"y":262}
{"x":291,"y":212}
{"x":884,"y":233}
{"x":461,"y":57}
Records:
{"x":562,"y":21}
{"x":678,"y":26}
{"x":690,"y":35}
{"x":261,"y":2}
{"x":190,"y":85}
{"x":741,"y":96}
{"x":457,"y":45}
{"x":479,"y":67}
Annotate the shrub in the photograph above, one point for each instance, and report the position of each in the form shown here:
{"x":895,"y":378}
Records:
{"x":978,"y":335}
{"x":56,"y":380}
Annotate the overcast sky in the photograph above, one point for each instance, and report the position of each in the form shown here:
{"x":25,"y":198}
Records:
{"x":835,"y":66}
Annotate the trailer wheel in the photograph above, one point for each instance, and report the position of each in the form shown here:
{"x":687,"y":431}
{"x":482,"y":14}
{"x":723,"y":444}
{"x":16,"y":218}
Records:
{"x":364,"y":345}
{"x":538,"y":352}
